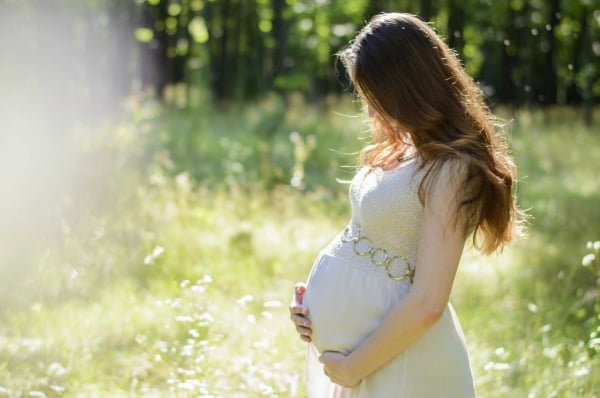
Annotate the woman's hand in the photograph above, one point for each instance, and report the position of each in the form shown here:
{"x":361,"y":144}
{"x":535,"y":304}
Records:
{"x":335,"y":365}
{"x":299,"y":313}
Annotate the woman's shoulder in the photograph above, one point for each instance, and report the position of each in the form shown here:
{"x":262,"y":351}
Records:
{"x":449,"y":168}
{"x":442,"y":176}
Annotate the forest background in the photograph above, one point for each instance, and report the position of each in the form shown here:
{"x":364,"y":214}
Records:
{"x":170,"y":168}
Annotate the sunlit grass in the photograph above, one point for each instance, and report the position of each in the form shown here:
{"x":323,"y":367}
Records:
{"x":181,"y":289}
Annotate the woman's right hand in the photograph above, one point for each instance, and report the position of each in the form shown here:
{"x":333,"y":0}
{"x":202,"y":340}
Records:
{"x":299,"y":313}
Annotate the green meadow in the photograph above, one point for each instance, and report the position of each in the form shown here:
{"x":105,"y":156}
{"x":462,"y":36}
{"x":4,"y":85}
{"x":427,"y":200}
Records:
{"x":178,"y":249}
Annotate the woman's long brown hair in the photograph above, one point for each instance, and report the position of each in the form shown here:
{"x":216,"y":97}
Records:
{"x":409,"y":76}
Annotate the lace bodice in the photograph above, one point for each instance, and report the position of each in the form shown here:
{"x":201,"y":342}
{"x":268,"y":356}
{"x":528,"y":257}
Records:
{"x":385,"y":203}
{"x":386,"y":210}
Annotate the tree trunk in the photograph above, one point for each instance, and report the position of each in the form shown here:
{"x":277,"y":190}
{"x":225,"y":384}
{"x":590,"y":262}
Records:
{"x":236,"y":87}
{"x":149,"y":69}
{"x":208,"y":13}
{"x":505,"y":89}
{"x":527,"y":47}
{"x":456,"y":22}
{"x":255,"y":77}
{"x":587,"y":94}
{"x":279,"y":37}
{"x":425,"y":9}
{"x":375,"y":7}
{"x":165,"y":63}
{"x":548,"y":86}
{"x":573,"y":94}
{"x":221,"y":70}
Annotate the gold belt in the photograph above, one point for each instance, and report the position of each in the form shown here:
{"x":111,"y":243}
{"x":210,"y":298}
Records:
{"x":363,"y":246}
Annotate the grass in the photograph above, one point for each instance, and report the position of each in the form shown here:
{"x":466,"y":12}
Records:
{"x":177,"y":284}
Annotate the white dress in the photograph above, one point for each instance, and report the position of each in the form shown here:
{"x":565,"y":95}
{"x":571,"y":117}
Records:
{"x":348,"y":295}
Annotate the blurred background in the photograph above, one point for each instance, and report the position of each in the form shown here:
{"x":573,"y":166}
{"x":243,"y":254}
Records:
{"x":170,"y":168}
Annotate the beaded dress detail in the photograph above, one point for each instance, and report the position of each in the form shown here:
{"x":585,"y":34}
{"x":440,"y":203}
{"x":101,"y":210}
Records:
{"x":356,"y":280}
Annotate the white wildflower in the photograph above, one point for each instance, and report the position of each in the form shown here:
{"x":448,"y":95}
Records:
{"x":242,"y":301}
{"x":267,"y":314}
{"x":156,"y":252}
{"x":500,"y":366}
{"x":582,"y":371}
{"x":588,"y":259}
{"x":272,"y":304}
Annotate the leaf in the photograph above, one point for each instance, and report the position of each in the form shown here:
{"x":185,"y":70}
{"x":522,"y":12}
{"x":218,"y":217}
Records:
{"x":143,"y":35}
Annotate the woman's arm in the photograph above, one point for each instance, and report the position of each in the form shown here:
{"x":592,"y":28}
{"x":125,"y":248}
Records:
{"x":440,"y":248}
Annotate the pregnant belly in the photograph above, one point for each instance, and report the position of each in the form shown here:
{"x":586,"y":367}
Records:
{"x":345,"y":304}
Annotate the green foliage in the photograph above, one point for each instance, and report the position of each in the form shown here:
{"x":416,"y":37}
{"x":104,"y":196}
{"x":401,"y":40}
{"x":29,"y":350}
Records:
{"x":180,"y":287}
{"x":588,"y":305}
{"x":522,"y":51}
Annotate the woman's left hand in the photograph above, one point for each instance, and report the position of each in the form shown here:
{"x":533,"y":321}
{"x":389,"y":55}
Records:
{"x":335,"y":365}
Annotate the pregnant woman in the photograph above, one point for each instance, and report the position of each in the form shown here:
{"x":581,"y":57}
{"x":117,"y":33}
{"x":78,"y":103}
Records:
{"x":375,"y":307}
